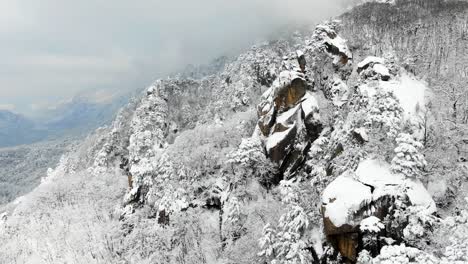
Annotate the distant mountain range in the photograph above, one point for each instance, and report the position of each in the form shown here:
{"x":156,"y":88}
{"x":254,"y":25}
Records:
{"x":81,"y":114}
{"x":16,"y":129}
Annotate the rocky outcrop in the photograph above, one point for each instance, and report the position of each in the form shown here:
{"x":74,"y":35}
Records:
{"x":371,"y":191}
{"x":333,"y":43}
{"x":373,"y":67}
{"x":289,"y":117}
{"x":332,"y":61}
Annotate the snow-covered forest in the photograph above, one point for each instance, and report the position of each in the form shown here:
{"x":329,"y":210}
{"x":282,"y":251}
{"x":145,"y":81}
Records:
{"x":345,"y":142}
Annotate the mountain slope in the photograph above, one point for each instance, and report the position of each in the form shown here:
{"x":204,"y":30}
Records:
{"x":24,"y":166}
{"x":311,"y":149}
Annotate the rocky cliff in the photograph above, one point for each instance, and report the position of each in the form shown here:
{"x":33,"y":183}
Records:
{"x":320,"y":148}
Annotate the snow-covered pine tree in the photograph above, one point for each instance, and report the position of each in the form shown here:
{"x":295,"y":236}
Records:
{"x":233,"y":226}
{"x":408,"y":160}
{"x":385,"y":111}
{"x":250,"y":160}
{"x":287,"y":243}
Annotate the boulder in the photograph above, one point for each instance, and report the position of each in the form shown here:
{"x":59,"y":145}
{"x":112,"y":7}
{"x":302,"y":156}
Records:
{"x":341,"y":201}
{"x":382,"y":72}
{"x":370,"y":191}
{"x":337,"y":46}
{"x":369,"y":61}
{"x":374,"y":68}
{"x":333,"y":43}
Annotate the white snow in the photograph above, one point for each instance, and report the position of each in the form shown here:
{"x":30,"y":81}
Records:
{"x":267,"y":93}
{"x":150,"y":90}
{"x":371,"y":224}
{"x":339,"y":91}
{"x":284,"y":117}
{"x":362,"y":132}
{"x":377,"y":173}
{"x":381,"y":69}
{"x":370,"y":59}
{"x":369,"y":89}
{"x":299,"y":53}
{"x":339,"y":43}
{"x":410,"y":92}
{"x":437,"y":188}
{"x":344,"y":196}
{"x":419,"y":196}
{"x":309,"y":104}
{"x":324,"y":28}
{"x":275,"y":138}
{"x":391,"y":2}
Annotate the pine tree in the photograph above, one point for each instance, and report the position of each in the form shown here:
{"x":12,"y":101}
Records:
{"x":249,"y":160}
{"x":408,"y":160}
{"x":385,"y":111}
{"x":287,"y":243}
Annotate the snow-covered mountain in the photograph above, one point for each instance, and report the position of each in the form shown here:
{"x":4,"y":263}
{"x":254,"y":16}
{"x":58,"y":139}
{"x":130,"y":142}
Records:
{"x":16,"y":129}
{"x":343,"y":143}
{"x":23,"y":166}
{"x":83,"y":113}
{"x":76,"y":117}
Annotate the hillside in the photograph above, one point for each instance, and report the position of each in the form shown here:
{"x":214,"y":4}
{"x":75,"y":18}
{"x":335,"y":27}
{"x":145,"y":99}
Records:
{"x":343,"y":143}
{"x":16,"y":129}
{"x":24,"y":166}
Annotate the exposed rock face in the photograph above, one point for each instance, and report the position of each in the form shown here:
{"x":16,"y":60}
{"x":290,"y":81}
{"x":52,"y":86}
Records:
{"x":289,"y":118}
{"x":371,"y":191}
{"x":332,"y":61}
{"x":334,"y":44}
{"x":292,"y":87}
{"x":373,"y":67}
{"x":288,"y":112}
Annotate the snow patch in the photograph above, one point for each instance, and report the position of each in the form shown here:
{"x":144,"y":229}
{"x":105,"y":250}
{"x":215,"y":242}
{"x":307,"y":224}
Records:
{"x":370,"y":59}
{"x":344,"y":196}
{"x":420,"y":197}
{"x":284,"y":117}
{"x":377,"y":173}
{"x":411,"y":94}
{"x":309,"y":104}
{"x":382,"y":70}
{"x":371,"y":224}
{"x":275,"y":138}
{"x":299,"y":53}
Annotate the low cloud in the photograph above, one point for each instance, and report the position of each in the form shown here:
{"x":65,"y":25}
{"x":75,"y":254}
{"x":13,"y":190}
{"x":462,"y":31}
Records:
{"x":8,"y":107}
{"x":54,"y":48}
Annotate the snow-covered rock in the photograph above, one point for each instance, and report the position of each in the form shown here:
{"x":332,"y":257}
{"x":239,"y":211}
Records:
{"x":357,"y":202}
{"x":326,"y":36}
{"x":370,"y":60}
{"x":342,"y":198}
{"x":382,"y":71}
{"x":373,"y":68}
{"x":339,"y":92}
{"x":371,"y":224}
{"x":288,"y":118}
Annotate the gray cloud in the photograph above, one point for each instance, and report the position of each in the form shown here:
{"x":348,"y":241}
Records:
{"x":53,"y":49}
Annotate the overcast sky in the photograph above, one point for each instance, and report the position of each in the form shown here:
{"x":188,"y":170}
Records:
{"x":52,"y":49}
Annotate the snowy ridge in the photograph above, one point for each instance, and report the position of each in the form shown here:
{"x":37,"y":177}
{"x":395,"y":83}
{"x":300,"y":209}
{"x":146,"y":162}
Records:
{"x":291,"y":153}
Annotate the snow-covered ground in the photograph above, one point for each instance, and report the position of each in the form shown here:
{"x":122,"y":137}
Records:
{"x":68,"y":220}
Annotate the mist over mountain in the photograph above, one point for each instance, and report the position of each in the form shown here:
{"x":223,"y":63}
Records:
{"x":16,"y":129}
